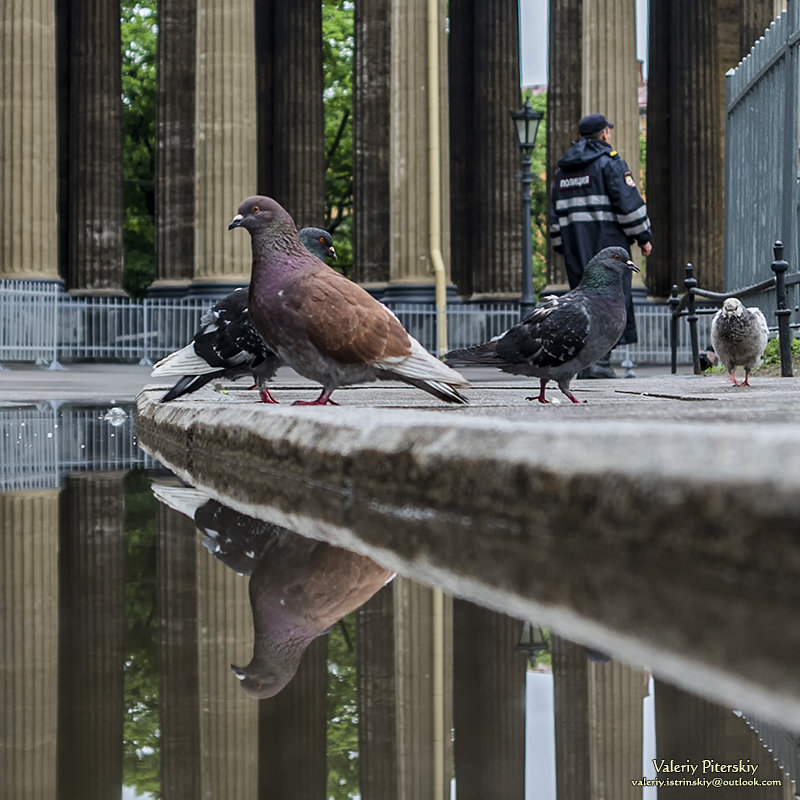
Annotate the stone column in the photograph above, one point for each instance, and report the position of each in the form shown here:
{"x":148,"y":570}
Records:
{"x":94,"y":208}
{"x":28,"y":142}
{"x":292,"y":731}
{"x":410,"y":266}
{"x":225,"y":143}
{"x":598,"y":718}
{"x":488,"y":704}
{"x":91,"y":636}
{"x":564,"y":102}
{"x":175,"y":146}
{"x":377,"y":712}
{"x":610,"y":72}
{"x":229,"y":719}
{"x":661,"y":274}
{"x":179,"y":707}
{"x":754,"y":17}
{"x":691,"y":141}
{"x":371,"y":104}
{"x":419,"y":743}
{"x":29,"y":643}
{"x":291,"y":118}
{"x":690,"y":729}
{"x":486,"y":234}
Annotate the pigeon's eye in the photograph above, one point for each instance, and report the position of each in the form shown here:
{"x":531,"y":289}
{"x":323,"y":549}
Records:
{"x":256,"y":209}
{"x":322,"y":240}
{"x":616,"y":257}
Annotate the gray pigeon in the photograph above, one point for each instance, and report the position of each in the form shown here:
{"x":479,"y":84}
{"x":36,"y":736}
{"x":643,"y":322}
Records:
{"x":326,"y":327}
{"x":562,"y":335}
{"x":227,"y":346}
{"x":739,"y":336}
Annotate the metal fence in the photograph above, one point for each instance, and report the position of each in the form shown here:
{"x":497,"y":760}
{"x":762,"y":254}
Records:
{"x":41,"y":443}
{"x":761,"y":154}
{"x":41,"y":323}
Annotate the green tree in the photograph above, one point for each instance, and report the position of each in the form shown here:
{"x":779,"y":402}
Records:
{"x":139,"y":30}
{"x":141,"y":746}
{"x":342,"y":712}
{"x":337,"y":55}
{"x":539,"y":211}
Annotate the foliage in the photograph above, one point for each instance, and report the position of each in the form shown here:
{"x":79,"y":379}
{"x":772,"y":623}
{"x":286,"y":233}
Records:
{"x":342,"y":712}
{"x":141,"y":761}
{"x":772,"y":354}
{"x":539,"y":211}
{"x":337,"y":53}
{"x":139,"y":29}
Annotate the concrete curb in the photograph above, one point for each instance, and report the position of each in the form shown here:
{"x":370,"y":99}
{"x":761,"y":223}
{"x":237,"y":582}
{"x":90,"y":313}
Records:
{"x":667,"y":544}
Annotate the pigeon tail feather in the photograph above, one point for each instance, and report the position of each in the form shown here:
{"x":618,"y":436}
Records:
{"x":477,"y":354}
{"x":189,"y":384}
{"x":183,"y":499}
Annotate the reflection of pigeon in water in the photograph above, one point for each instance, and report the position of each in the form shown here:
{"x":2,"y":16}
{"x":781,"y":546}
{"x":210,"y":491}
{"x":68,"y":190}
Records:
{"x":739,"y":336}
{"x":562,"y":335}
{"x":235,"y":539}
{"x":298,"y":591}
{"x":299,"y":588}
{"x":227,"y":345}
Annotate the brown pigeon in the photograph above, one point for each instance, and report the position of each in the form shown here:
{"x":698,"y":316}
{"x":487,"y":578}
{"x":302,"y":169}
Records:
{"x":739,"y":336}
{"x":562,"y":335}
{"x":326,"y":327}
{"x":227,"y":345}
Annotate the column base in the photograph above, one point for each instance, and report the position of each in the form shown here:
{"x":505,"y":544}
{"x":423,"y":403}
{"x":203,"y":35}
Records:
{"x":215,"y":289}
{"x":417,"y":293}
{"x":165,"y":289}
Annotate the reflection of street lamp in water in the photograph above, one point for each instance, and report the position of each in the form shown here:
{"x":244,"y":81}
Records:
{"x":527,"y":120}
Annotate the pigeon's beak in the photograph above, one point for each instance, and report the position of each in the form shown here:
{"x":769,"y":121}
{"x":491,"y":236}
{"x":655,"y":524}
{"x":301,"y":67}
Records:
{"x":332,"y":253}
{"x":236,"y":222}
{"x":238,"y":671}
{"x":630,"y":264}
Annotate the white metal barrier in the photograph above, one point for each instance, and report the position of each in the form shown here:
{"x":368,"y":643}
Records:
{"x":41,"y":323}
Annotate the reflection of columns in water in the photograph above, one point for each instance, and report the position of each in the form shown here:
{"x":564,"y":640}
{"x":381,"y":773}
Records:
{"x":488,"y":704}
{"x":292,"y":729}
{"x":377,"y":714}
{"x":179,"y":703}
{"x":28,"y":643}
{"x":229,"y":719}
{"x":209,"y":725}
{"x":419,"y":743}
{"x":598,"y":720}
{"x":91,"y":636}
{"x":690,"y":729}
{"x":397,"y":740}
{"x":28,"y":143}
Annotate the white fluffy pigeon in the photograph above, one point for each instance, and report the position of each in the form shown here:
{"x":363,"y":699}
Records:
{"x":739,"y":336}
{"x":562,"y":335}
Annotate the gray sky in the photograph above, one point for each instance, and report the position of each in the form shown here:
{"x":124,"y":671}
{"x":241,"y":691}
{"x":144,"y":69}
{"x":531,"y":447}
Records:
{"x":533,"y":39}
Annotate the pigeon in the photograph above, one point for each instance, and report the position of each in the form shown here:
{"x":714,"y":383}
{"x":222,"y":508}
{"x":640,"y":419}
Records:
{"x":227,"y":345}
{"x":562,"y":335}
{"x":321,"y":324}
{"x":739,"y":336}
{"x":299,"y":590}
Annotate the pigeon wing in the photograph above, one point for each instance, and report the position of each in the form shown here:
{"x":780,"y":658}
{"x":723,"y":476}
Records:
{"x":347,"y":324}
{"x":554,"y":333}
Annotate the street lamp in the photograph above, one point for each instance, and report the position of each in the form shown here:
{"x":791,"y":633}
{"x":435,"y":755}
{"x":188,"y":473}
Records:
{"x":527,"y":120}
{"x":532,"y":641}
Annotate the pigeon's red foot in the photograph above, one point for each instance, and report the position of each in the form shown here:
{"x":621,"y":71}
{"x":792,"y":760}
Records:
{"x":746,"y":381}
{"x":733,"y":379}
{"x":575,"y":399}
{"x":323,"y":400}
{"x":266,"y":397}
{"x":540,"y":397}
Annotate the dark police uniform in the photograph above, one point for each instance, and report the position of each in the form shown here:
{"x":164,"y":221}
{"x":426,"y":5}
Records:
{"x":595,"y":204}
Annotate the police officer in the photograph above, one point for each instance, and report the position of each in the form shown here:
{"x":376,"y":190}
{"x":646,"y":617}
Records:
{"x":595,"y":204}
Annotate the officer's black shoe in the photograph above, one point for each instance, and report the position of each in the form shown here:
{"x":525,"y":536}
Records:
{"x":600,"y":369}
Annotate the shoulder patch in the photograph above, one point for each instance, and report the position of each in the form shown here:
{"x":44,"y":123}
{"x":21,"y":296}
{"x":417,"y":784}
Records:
{"x":629,"y":179}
